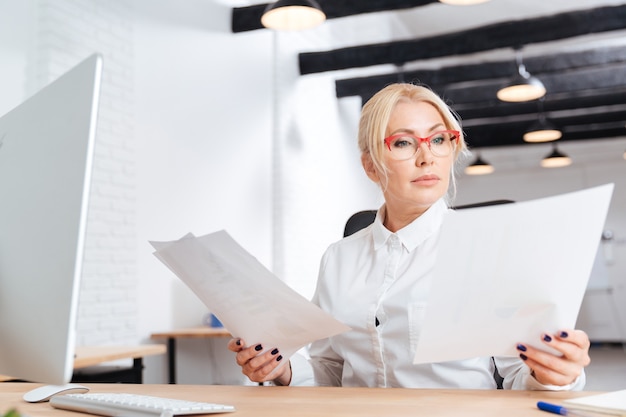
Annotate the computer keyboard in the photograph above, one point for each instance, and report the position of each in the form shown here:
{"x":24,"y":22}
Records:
{"x":134,"y":405}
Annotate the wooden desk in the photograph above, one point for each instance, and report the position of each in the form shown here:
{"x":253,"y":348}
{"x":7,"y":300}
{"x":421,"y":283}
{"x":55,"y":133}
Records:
{"x":90,"y":356}
{"x":319,"y":401}
{"x":202,"y":332}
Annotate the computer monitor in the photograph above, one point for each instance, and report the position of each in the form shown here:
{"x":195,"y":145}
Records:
{"x":46,"y":153}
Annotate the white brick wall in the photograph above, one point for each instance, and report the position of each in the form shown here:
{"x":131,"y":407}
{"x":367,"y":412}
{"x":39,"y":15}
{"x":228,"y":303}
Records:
{"x":68,"y":31}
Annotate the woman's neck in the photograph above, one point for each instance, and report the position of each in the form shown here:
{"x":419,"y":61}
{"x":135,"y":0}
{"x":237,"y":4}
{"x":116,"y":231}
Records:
{"x":397,"y":219}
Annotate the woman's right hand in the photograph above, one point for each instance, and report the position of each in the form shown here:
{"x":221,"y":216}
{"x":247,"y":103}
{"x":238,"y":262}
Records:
{"x":260,"y":368}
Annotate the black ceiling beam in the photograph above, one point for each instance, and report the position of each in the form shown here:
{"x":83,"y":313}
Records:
{"x":248,"y":18}
{"x":585,"y":87}
{"x":563,"y":120}
{"x":555,"y":103}
{"x":578,"y":123}
{"x":492,"y":138}
{"x":565,"y":82}
{"x":585,"y":90}
{"x":596,"y":132}
{"x":366,"y":86}
{"x":513,"y":137}
{"x":500,"y":35}
{"x":610,"y":125}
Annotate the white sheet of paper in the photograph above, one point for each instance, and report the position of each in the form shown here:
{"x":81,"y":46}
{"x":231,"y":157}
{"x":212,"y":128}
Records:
{"x":246,"y":297}
{"x":507,"y":274}
{"x":613,"y":402}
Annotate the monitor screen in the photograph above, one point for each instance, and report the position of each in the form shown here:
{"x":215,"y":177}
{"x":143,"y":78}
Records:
{"x":46,"y":153}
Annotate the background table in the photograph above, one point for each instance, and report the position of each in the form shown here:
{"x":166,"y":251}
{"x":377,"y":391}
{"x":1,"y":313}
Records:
{"x":202,"y":332}
{"x":89,"y":360}
{"x":319,"y":401}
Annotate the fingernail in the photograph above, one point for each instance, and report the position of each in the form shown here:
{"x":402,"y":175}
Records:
{"x":521,"y":347}
{"x":258,"y":347}
{"x":275,"y":351}
{"x":524,"y":357}
{"x":564,"y":334}
{"x":547,"y":338}
{"x":279,"y":358}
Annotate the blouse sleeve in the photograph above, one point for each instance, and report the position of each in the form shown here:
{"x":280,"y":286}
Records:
{"x":326,"y":363}
{"x":301,"y":370}
{"x":517,"y":376}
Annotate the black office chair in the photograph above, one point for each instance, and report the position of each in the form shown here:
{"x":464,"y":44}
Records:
{"x":364,"y":218}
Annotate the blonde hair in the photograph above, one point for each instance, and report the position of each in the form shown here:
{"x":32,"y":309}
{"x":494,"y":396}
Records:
{"x":375,"y":117}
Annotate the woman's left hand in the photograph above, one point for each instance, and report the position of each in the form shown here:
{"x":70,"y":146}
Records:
{"x":550,"y":369}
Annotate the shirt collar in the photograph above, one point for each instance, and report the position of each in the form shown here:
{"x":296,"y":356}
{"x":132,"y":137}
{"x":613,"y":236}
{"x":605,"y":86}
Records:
{"x":416,"y":232}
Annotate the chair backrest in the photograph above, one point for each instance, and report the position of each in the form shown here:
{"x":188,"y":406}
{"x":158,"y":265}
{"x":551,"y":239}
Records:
{"x":364,"y":218}
{"x":359,"y":220}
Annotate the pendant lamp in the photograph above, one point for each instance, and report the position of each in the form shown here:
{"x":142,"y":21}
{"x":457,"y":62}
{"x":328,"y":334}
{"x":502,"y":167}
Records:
{"x":293,"y":15}
{"x":542,"y":130}
{"x":523,"y":86}
{"x":556,"y":159}
{"x":479,"y":167}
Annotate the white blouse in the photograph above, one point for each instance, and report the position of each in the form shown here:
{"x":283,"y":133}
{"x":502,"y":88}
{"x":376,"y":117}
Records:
{"x":377,"y":282}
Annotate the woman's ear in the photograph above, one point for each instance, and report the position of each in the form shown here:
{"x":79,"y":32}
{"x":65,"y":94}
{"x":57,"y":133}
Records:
{"x":368,"y":166}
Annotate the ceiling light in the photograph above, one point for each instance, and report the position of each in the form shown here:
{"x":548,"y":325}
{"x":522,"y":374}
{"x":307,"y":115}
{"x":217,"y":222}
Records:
{"x":523,"y":86}
{"x":293,"y":15}
{"x":542,"y":130}
{"x":479,"y":167}
{"x":463,"y":2}
{"x":556,"y":159}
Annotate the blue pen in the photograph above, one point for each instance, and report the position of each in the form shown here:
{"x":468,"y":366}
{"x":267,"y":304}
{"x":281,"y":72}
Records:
{"x":558,"y":409}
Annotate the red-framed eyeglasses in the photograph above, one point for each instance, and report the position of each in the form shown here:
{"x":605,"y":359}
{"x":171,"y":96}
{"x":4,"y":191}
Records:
{"x":405,"y":146}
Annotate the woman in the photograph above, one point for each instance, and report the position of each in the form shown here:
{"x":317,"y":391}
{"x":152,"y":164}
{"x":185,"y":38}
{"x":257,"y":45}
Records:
{"x":376,"y":281}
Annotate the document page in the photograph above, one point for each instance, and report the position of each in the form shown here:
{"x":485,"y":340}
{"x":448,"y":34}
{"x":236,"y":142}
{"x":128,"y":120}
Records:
{"x":507,"y":274}
{"x":610,"y":402}
{"x":246,"y":297}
